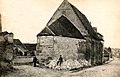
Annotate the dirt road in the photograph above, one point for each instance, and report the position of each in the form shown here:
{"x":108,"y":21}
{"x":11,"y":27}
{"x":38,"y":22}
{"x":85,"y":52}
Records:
{"x":108,"y":70}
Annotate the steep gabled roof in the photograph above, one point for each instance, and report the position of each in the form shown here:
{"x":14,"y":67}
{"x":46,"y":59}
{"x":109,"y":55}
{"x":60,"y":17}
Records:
{"x":85,"y":22}
{"x":72,"y":15}
{"x":62,"y":27}
{"x":66,"y":10}
{"x":46,"y":31}
{"x":19,"y":44}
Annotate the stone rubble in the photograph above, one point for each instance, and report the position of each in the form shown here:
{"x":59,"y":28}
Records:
{"x":68,"y":64}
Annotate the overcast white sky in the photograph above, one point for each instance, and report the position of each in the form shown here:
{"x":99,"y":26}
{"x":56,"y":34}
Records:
{"x":26,"y":18}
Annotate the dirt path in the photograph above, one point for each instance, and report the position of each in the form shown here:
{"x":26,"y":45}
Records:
{"x":108,"y":70}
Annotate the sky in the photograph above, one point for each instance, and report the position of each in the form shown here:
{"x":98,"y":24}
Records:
{"x":26,"y":18}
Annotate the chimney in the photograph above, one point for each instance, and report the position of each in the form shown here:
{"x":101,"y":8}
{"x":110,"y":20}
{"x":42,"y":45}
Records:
{"x":95,"y":29}
{"x":0,"y":24}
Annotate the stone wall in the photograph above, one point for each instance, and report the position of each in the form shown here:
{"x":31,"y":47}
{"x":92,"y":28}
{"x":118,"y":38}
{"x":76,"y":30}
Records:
{"x":54,"y":46}
{"x":6,"y":51}
{"x":96,"y":52}
{"x":70,"y":48}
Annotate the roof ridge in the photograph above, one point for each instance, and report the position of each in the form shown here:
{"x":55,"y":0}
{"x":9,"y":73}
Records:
{"x":85,"y":20}
{"x":64,"y":2}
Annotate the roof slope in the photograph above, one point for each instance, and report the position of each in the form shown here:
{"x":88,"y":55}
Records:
{"x":71,"y":15}
{"x":85,"y":22}
{"x":19,"y":44}
{"x":62,"y":27}
{"x":30,"y":47}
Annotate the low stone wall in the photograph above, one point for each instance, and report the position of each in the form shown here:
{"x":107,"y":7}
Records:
{"x":23,"y":60}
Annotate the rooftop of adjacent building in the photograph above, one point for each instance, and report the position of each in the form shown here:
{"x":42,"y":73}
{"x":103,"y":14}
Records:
{"x":30,"y":46}
{"x":5,"y":33}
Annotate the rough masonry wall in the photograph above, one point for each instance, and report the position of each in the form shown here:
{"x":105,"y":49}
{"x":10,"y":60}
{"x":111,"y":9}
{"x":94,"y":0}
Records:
{"x":96,"y":52}
{"x":6,"y":54}
{"x":44,"y":45}
{"x":54,"y":46}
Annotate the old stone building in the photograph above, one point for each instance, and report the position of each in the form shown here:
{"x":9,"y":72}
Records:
{"x":70,"y":34}
{"x":23,"y":49}
{"x":31,"y":48}
{"x":6,"y":50}
{"x":107,"y":54}
{"x":19,"y":48}
{"x":6,"y":42}
{"x":23,"y":52}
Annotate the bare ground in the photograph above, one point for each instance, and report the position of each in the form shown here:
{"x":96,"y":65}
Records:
{"x":108,"y":70}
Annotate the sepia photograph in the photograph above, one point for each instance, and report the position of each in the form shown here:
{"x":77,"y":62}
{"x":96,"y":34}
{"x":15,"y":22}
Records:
{"x":59,"y":38}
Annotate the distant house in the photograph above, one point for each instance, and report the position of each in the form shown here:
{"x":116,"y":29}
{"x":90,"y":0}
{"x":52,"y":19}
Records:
{"x":70,"y":34}
{"x":19,"y":48}
{"x":23,"y":52}
{"x":107,"y":54}
{"x":31,"y":48}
